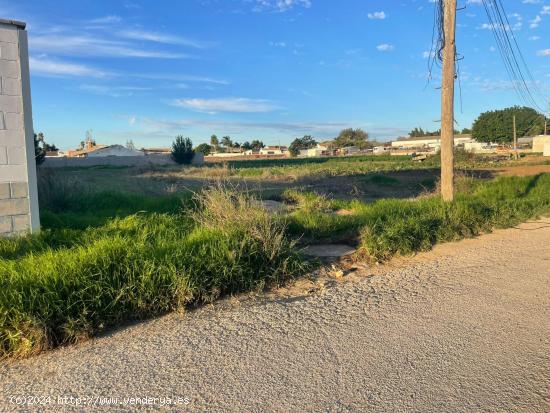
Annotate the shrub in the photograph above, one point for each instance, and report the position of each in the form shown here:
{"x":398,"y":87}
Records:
{"x":182,"y":150}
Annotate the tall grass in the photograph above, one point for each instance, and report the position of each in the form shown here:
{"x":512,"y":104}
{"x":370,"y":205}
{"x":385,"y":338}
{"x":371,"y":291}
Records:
{"x":153,"y":255}
{"x":391,"y":226}
{"x":64,"y":288}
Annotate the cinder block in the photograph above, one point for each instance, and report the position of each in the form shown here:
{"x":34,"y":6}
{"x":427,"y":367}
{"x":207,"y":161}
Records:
{"x":5,"y":190}
{"x":2,"y":121}
{"x":13,"y":121}
{"x":14,"y":206}
{"x":5,"y":225}
{"x":13,"y":173}
{"x":9,"y":51}
{"x":10,"y":68}
{"x":9,"y":34}
{"x":21,"y":223}
{"x":16,"y":155}
{"x":3,"y":155}
{"x":12,"y":137}
{"x":11,"y":86}
{"x":12,"y":104}
{"x":19,"y":190}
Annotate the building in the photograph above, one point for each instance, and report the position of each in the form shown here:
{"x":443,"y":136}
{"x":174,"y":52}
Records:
{"x":539,"y":142}
{"x":428,"y":142}
{"x":319,"y":150}
{"x":381,"y":150}
{"x":274,"y":150}
{"x":113,"y":150}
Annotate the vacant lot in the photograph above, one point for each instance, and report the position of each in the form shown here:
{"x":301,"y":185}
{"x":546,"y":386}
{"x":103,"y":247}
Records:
{"x":125,"y":243}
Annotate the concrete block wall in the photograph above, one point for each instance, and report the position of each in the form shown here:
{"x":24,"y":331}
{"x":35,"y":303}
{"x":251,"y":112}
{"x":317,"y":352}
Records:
{"x":18,"y":190}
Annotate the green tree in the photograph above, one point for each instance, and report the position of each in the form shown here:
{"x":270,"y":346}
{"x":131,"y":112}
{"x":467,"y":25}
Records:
{"x":214,"y":141}
{"x":298,"y":144}
{"x":256,"y":144}
{"x":246,"y":146}
{"x":182,"y":150}
{"x":417,"y":132}
{"x":204,"y":148}
{"x":352,"y":137}
{"x":39,"y":151}
{"x":497,"y":125}
{"x":466,"y":131}
{"x":227,"y":142}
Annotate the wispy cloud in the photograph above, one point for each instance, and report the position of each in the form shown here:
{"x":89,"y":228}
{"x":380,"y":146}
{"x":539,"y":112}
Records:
{"x":235,"y":105}
{"x":164,"y":38}
{"x":86,"y":45}
{"x":57,"y":68}
{"x":112,"y":91}
{"x":279,"y":5}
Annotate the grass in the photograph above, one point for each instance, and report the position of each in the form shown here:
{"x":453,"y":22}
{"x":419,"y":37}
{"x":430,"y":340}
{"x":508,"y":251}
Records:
{"x":107,"y":258}
{"x":392,"y":226}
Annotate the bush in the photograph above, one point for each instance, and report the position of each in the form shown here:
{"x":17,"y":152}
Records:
{"x":182,"y":150}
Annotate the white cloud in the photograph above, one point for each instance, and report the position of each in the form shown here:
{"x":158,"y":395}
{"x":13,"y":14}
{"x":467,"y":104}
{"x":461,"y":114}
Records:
{"x":235,"y":105}
{"x":385,"y":47}
{"x":86,"y":45}
{"x":377,"y":15}
{"x":56,"y":68}
{"x":533,"y":24}
{"x":162,"y":38}
{"x":280,"y":5}
{"x":106,"y":20}
{"x":534,"y":38}
{"x":545,"y":52}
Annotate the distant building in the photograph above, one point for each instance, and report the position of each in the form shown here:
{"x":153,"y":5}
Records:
{"x":114,"y":150}
{"x":428,"y":142}
{"x":539,"y":142}
{"x":274,"y":150}
{"x":318,"y":151}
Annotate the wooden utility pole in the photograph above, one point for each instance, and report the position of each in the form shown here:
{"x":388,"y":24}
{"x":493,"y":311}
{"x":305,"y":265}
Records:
{"x":447,"y":102}
{"x":515,"y":140}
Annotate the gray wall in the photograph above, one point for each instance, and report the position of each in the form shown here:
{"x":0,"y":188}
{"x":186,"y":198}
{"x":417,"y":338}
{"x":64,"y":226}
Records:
{"x":115,"y":161}
{"x":18,"y":191}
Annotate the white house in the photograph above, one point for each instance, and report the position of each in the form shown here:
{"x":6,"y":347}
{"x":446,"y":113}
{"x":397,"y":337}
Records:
{"x":432,"y":142}
{"x":539,"y":142}
{"x":319,"y":150}
{"x":274,"y":150}
{"x":113,"y":150}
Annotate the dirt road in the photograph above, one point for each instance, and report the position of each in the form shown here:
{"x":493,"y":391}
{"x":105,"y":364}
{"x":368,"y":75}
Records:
{"x":464,"y":328}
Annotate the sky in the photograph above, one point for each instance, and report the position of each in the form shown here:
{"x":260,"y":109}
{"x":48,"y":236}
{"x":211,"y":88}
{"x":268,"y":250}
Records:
{"x":273,"y":70}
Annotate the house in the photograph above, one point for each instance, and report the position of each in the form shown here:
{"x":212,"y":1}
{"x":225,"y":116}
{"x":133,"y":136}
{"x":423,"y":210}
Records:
{"x":539,"y":142}
{"x":319,"y":150}
{"x":381,"y":150}
{"x":349,"y":150}
{"x":428,"y":142}
{"x":274,"y":150}
{"x":113,"y":150}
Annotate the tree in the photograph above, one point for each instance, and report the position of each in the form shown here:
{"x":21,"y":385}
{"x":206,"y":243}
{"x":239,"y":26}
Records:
{"x":182,"y":150}
{"x":256,"y":144}
{"x":497,"y":125}
{"x":204,"y":148}
{"x":246,"y":146}
{"x":351,"y":137}
{"x":39,"y":152}
{"x":227,"y":142}
{"x":214,"y":141}
{"x":416,"y":132}
{"x":298,"y":144}
{"x":466,"y":131}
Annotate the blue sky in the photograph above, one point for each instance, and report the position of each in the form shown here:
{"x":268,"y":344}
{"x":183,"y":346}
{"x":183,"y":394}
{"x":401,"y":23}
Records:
{"x":259,"y":69}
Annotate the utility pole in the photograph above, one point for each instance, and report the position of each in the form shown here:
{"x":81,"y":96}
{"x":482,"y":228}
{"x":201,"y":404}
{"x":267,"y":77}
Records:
{"x":447,"y":102}
{"x":515,"y":140}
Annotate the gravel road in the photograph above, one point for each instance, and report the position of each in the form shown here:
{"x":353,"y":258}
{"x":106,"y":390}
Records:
{"x":463,"y":328}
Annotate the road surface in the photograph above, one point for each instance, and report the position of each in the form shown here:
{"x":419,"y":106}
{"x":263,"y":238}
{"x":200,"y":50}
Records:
{"x":464,"y":328}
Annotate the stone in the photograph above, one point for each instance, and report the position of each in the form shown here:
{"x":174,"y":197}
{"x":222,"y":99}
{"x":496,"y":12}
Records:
{"x":9,"y":68}
{"x":273,"y":206}
{"x":16,"y":155}
{"x":21,"y":223}
{"x":5,"y":225}
{"x":19,"y":190}
{"x":9,"y":51}
{"x":329,"y":250}
{"x":11,"y":103}
{"x":3,"y":155}
{"x":11,"y":173}
{"x":10,"y":86}
{"x":4,"y":190}
{"x":14,"y":206}
{"x":13,"y":121}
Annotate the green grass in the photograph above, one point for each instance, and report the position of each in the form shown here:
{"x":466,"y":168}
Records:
{"x":107,"y":258}
{"x":392,"y":226}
